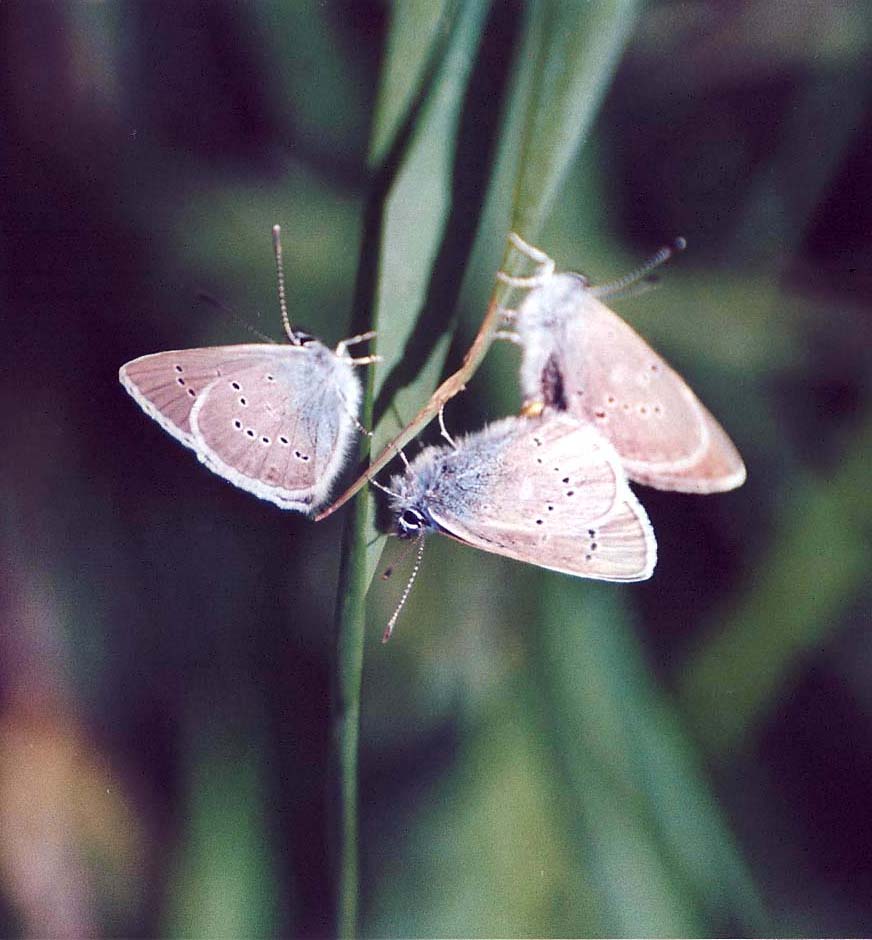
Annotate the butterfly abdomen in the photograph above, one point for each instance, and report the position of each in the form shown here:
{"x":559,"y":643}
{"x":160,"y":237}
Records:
{"x":551,"y":385}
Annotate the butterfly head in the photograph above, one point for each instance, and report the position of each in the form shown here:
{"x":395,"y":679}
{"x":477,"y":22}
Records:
{"x":411,"y":493}
{"x":411,"y":523}
{"x":302,"y":338}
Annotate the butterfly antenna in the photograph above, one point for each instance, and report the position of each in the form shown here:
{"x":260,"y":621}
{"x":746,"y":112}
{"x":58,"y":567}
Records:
{"x":280,"y":271}
{"x":386,"y":574}
{"x":230,"y":312}
{"x":389,"y":629}
{"x":658,"y":258}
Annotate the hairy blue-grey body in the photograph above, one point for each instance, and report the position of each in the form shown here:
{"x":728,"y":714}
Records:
{"x":545,"y":323}
{"x":458,"y":481}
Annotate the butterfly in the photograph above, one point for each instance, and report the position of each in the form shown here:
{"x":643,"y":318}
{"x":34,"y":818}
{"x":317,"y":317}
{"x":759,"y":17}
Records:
{"x":547,"y":490}
{"x":275,"y":420}
{"x":580,"y":357}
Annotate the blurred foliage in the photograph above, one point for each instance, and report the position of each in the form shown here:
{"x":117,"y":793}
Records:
{"x":539,"y":755}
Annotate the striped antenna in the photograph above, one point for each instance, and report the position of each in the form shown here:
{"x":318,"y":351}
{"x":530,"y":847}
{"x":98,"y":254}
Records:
{"x":658,"y":258}
{"x":280,"y":271}
{"x":389,"y":629}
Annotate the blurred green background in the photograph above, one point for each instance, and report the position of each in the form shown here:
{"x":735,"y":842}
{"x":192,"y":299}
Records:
{"x":540,"y":756}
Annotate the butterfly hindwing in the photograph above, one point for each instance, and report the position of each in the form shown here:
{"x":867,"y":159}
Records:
{"x":275,"y":429}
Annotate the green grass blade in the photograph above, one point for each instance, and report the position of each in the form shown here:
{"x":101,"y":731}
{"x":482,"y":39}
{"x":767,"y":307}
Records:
{"x":662,"y":862}
{"x":662,"y":855}
{"x":404,"y":235}
{"x":404,"y":228}
{"x":579,"y":45}
{"x":417,"y":41}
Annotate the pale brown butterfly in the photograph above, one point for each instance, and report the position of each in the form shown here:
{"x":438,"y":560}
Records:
{"x":580,"y":357}
{"x":275,"y":420}
{"x":547,"y":490}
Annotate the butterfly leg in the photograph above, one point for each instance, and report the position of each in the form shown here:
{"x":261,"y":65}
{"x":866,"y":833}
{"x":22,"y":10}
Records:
{"x":531,"y":251}
{"x":534,"y":280}
{"x":544,"y":262}
{"x":364,"y":431}
{"x":398,"y":451}
{"x":510,"y":336}
{"x":352,"y":340}
{"x":443,"y":430}
{"x":508,"y":316}
{"x":366,"y":360}
{"x":350,"y":412}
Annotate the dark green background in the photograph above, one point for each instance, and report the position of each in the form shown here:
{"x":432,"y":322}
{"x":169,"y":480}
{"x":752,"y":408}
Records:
{"x":539,"y":756}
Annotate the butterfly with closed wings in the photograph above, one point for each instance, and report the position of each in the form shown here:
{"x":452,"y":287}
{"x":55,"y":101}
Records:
{"x":275,"y":420}
{"x":579,"y":356}
{"x":547,"y":490}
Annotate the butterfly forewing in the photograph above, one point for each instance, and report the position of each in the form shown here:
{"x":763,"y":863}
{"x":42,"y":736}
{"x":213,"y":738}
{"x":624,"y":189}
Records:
{"x":557,"y":498}
{"x":166,"y":384}
{"x":581,"y":356}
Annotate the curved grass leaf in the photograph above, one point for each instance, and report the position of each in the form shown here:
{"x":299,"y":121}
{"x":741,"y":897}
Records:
{"x":417,"y":41}
{"x":578,"y":50}
{"x":412,"y":265}
{"x":662,"y":856}
{"x":404,"y":228}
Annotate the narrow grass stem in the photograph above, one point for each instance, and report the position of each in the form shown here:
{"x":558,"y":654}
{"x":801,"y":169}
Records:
{"x":345,"y":719}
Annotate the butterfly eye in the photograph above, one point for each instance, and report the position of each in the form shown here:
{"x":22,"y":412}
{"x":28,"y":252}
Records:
{"x":303,"y":339}
{"x":410,"y":523}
